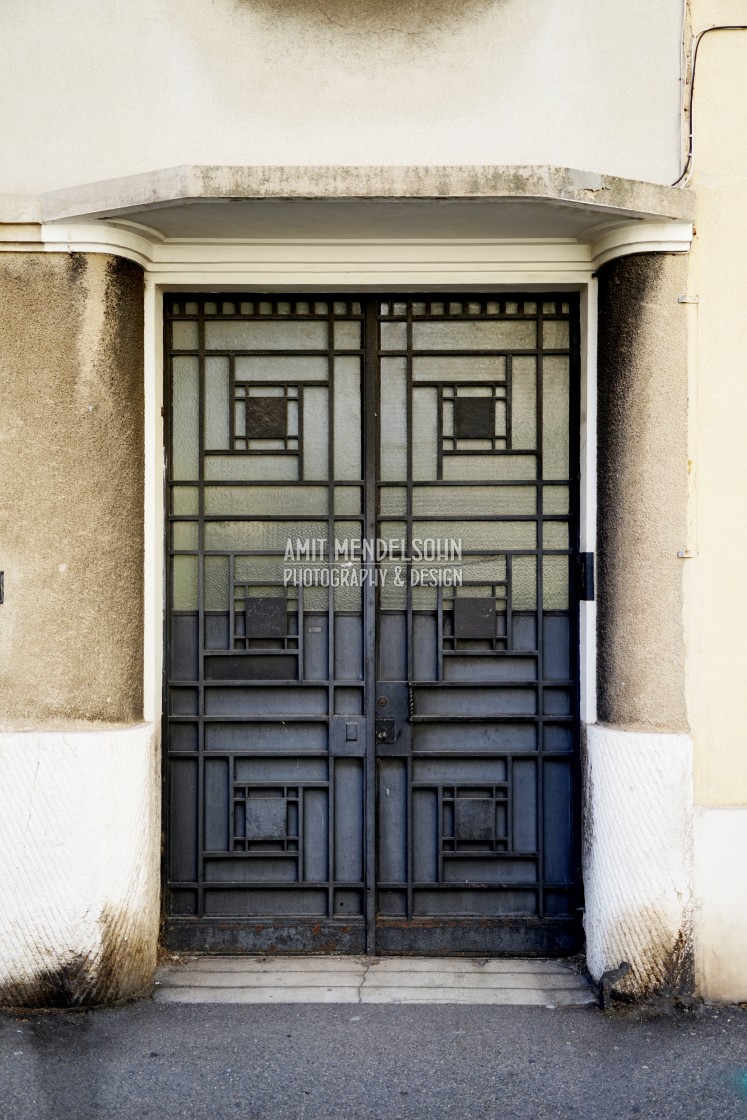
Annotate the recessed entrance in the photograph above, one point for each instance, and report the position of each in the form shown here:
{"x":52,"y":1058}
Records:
{"x":372,"y":629}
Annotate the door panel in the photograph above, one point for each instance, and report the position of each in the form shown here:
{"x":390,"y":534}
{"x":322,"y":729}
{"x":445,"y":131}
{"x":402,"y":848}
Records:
{"x":385,"y":764}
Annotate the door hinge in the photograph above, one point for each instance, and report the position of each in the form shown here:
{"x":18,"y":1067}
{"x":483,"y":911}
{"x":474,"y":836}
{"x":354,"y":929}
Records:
{"x":586,"y":576}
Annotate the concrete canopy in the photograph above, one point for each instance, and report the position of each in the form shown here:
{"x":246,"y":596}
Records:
{"x":496,"y":202}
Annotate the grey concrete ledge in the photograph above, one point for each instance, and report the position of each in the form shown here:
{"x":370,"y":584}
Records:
{"x":605,"y":194}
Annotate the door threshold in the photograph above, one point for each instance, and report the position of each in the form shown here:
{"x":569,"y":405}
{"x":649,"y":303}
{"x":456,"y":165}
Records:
{"x":358,"y":979}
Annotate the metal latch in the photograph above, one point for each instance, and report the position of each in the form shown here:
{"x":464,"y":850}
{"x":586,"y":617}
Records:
{"x":586,"y":576}
{"x":386,"y":731}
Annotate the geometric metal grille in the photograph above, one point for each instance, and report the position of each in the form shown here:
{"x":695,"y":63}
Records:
{"x":387,"y":765}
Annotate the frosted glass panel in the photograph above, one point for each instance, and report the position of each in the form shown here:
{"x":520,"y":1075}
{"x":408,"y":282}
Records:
{"x":215,"y":583}
{"x":184,"y":500}
{"x":495,"y":536}
{"x":394,"y":336}
{"x":287,"y":369}
{"x":556,"y":335}
{"x":393,"y":420}
{"x":489,"y":468}
{"x":185,"y":418}
{"x":425,"y":434}
{"x":555,"y":534}
{"x":184,"y":336}
{"x":488,"y":501}
{"x":184,"y":583}
{"x":184,"y":535}
{"x":250,"y":468}
{"x":488,"y":367}
{"x":217,"y":405}
{"x":524,"y":583}
{"x":555,"y":382}
{"x":509,"y":335}
{"x":347,"y":410}
{"x":316,"y":433}
{"x":555,"y":583}
{"x":231,"y":334}
{"x":393,"y":501}
{"x":524,"y":404}
{"x":347,"y":336}
{"x":260,"y":535}
{"x":348,"y":499}
{"x":258,"y":501}
{"x":555,"y":499}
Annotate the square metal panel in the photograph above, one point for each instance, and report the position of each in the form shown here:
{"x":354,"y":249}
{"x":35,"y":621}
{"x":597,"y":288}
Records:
{"x":474,"y":417}
{"x":474,"y":618}
{"x":266,"y":618}
{"x":265,"y":818}
{"x":266,"y":417}
{"x":474,"y":819}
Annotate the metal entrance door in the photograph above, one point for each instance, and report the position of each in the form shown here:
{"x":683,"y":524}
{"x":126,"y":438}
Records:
{"x":371,"y":641}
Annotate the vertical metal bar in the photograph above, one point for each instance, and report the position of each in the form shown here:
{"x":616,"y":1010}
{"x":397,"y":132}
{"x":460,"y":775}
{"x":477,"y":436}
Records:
{"x":440,"y":632}
{"x":231,"y":600}
{"x":201,"y":613}
{"x":330,"y":605}
{"x":540,"y":628}
{"x":409,"y":594}
{"x":370,"y":506}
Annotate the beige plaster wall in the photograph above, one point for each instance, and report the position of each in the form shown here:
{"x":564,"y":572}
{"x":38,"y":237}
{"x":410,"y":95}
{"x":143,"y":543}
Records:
{"x":71,"y":516}
{"x":716,"y":588}
{"x":643,"y":492}
{"x":155,"y":83}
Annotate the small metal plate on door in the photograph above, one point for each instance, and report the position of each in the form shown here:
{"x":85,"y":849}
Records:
{"x":474,"y":618}
{"x":386,"y":731}
{"x":266,"y":618}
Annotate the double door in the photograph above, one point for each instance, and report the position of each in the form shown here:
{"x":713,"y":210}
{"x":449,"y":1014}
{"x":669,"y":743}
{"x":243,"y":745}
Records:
{"x":371,"y":671}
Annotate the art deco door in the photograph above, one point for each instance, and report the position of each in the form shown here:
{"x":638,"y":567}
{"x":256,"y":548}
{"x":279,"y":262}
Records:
{"x":371,"y":679}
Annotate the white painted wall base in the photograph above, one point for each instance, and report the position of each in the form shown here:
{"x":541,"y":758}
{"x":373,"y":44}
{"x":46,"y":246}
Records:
{"x":638,"y":856}
{"x":720,"y":911}
{"x":79,"y":864}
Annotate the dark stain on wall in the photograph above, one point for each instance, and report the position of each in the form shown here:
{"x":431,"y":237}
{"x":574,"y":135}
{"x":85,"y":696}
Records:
{"x":643,"y":491}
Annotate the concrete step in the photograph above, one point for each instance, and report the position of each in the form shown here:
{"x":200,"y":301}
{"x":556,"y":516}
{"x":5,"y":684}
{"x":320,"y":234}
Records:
{"x":207,"y":979}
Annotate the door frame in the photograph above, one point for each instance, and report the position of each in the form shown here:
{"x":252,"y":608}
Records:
{"x":583,"y":466}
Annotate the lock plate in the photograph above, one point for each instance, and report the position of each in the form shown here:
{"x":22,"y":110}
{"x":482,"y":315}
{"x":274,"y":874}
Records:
{"x":386,"y":731}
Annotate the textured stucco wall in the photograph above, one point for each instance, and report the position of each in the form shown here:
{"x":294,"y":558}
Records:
{"x":79,"y":865}
{"x":71,"y":462}
{"x":578,"y":84}
{"x":643,"y":492}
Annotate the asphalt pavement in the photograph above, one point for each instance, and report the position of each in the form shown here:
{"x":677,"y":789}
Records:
{"x":308,"y":1062}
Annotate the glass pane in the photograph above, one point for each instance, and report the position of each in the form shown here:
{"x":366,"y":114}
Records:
{"x":393,"y":585}
{"x":489,"y":501}
{"x":185,"y":432}
{"x":556,"y":334}
{"x":555,"y":499}
{"x":184,"y":583}
{"x":250,"y":468}
{"x":491,"y":468}
{"x":555,"y":583}
{"x":555,"y":396}
{"x":254,"y":536}
{"x":393,"y":336}
{"x":215,"y":587}
{"x":348,"y":499}
{"x":184,"y":336}
{"x":524,"y":403}
{"x":184,"y":500}
{"x":393,"y":419}
{"x":425,"y":434}
{"x":347,"y":336}
{"x":494,"y":536}
{"x":555,"y":534}
{"x":287,"y":369}
{"x":230,"y":334}
{"x":184,"y":535}
{"x":393,"y":501}
{"x":481,"y":335}
{"x":258,"y":501}
{"x":217,"y":405}
{"x":347,"y":409}
{"x":488,"y":367}
{"x":315,"y":434}
{"x":524,"y":583}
